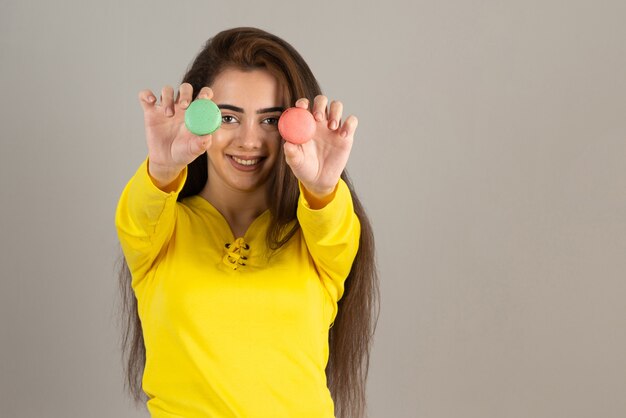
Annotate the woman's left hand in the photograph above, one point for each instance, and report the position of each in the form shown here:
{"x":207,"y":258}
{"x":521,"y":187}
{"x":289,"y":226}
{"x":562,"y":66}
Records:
{"x":318,"y":163}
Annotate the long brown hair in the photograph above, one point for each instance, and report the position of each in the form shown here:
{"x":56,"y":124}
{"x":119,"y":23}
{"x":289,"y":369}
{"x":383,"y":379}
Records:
{"x":350,"y":336}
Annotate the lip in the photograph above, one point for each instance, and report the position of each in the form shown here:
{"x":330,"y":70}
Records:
{"x":242,"y":167}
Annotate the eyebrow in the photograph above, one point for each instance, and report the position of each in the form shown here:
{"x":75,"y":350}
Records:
{"x":260,"y":111}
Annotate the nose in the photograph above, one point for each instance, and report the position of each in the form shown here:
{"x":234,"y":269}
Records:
{"x":250,"y":136}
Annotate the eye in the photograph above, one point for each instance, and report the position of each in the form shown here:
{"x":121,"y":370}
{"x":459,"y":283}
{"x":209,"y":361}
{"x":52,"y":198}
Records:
{"x":271,"y":121}
{"x":228,"y":119}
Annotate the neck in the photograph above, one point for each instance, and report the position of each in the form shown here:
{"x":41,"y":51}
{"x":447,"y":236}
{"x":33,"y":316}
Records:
{"x":239,"y":208}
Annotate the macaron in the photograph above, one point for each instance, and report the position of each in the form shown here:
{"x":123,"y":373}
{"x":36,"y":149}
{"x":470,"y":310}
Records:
{"x":296,"y":125}
{"x":203,"y":117}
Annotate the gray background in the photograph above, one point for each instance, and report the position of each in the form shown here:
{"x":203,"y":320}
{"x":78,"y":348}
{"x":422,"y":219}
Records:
{"x":490,"y":155}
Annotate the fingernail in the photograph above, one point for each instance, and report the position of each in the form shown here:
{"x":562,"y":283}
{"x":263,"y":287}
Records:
{"x":151,"y":99}
{"x":344,"y":134}
{"x":333,"y":125}
{"x":169,"y":111}
{"x":184,"y":103}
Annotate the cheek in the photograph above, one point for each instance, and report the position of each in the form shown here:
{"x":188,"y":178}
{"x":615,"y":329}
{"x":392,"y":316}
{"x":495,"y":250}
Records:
{"x":219,"y":143}
{"x":220,"y":137}
{"x":275,"y":142}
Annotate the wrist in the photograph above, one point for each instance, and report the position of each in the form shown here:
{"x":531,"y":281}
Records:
{"x":163,"y":177}
{"x":318,"y":198}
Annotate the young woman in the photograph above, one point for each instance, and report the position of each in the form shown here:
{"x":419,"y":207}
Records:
{"x":248,"y":274}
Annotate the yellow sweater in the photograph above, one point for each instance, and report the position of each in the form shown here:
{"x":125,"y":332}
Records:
{"x":237,"y":331}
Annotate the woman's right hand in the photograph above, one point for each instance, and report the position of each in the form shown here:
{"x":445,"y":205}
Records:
{"x":170,"y":144}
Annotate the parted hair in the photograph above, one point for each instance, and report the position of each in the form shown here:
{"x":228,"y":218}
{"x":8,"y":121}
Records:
{"x":351,"y":334}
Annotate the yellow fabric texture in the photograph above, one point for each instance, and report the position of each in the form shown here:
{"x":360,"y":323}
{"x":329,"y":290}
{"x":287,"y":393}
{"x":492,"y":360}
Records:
{"x":232,"y":329}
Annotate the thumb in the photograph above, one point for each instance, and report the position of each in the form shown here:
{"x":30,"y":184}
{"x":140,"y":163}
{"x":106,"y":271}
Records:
{"x":200,"y":144}
{"x":293,"y":154}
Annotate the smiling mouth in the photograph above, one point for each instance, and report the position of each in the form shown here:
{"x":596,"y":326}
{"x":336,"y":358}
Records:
{"x":246,"y":164}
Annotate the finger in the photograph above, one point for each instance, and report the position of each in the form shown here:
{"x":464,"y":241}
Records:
{"x":319,"y":107}
{"x":205,"y":93}
{"x":334,"y":116}
{"x":302,"y":103}
{"x":349,"y":127}
{"x":146,"y":99}
{"x":167,"y":100}
{"x":184,"y":95}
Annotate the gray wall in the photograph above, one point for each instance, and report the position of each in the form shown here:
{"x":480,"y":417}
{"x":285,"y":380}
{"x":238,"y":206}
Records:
{"x":490,"y":155}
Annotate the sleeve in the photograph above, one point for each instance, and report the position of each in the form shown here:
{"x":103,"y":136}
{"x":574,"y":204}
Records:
{"x":145,"y":218}
{"x":332,"y":238}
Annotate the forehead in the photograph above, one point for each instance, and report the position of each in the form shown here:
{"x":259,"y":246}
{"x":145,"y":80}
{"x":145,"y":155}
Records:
{"x":253,"y":89}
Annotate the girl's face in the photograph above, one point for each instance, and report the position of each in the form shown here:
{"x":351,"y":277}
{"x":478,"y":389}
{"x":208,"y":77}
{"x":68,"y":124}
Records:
{"x":245,"y":147}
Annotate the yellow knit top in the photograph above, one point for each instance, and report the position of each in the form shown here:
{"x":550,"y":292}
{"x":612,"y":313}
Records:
{"x":232,"y":329}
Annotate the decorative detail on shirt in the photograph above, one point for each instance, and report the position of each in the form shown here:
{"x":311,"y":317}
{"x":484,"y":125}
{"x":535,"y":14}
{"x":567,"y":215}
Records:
{"x":236,"y":253}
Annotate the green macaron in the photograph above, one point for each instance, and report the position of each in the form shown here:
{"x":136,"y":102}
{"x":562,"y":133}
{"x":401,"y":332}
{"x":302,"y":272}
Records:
{"x":203,"y":117}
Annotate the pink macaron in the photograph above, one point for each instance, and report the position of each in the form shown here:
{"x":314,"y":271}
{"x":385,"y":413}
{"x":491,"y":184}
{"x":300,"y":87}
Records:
{"x":296,"y":125}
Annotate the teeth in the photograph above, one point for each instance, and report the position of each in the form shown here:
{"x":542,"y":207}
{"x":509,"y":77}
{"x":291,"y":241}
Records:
{"x":246,"y":162}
